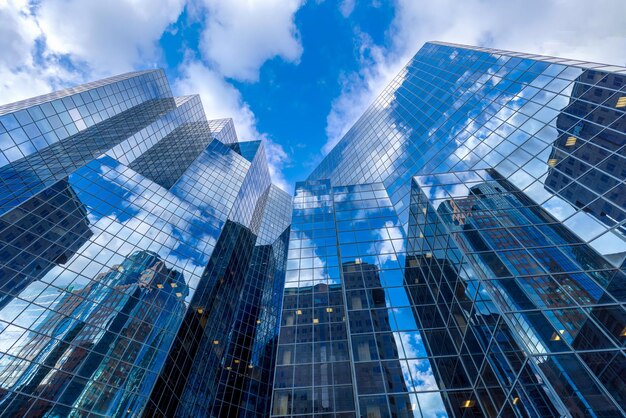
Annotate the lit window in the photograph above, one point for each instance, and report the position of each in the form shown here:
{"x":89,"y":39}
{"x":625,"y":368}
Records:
{"x":515,"y":400}
{"x":571,"y":141}
{"x":236,"y":361}
{"x":329,"y":310}
{"x":552,"y":162}
{"x":159,"y":285}
{"x":216,"y":342}
{"x":178,"y":294}
{"x":468,"y":403}
{"x":200,"y":311}
{"x":316,"y":321}
{"x":555,"y":337}
{"x":623,"y":333}
{"x":299,"y":312}
{"x":621,"y":102}
{"x":173,"y":284}
{"x":258,"y":321}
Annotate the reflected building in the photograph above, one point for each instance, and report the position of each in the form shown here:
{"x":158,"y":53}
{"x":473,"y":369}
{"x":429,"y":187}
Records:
{"x":484,"y":188}
{"x":46,"y":231}
{"x":373,"y":342}
{"x":587,"y":159}
{"x":134,"y":233}
{"x":542,"y":278}
{"x":87,"y":339}
{"x":339,"y":349}
{"x":312,"y":372}
{"x":460,"y":335}
{"x":458,"y":253}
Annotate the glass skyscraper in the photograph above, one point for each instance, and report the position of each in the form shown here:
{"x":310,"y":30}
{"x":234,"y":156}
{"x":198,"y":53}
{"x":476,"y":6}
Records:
{"x":142,"y":252}
{"x":460,"y":252}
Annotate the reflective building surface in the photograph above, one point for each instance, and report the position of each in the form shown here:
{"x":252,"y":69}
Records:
{"x":142,"y":252}
{"x":460,"y":252}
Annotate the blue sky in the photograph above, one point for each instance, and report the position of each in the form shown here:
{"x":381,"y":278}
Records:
{"x":295,"y":73}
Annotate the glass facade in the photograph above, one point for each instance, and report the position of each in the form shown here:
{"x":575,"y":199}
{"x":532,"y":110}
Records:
{"x":142,"y":248}
{"x":460,"y":252}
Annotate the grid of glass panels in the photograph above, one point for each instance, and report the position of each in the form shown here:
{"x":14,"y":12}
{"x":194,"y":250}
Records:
{"x":359,"y":335}
{"x":555,"y":128}
{"x":562,"y":300}
{"x":224,"y":130}
{"x":313,"y":373}
{"x":477,"y":362}
{"x":91,"y":330}
{"x":222,"y":359}
{"x":276,"y":217}
{"x":114,"y":197}
{"x":513,"y":314}
{"x":489,"y":307}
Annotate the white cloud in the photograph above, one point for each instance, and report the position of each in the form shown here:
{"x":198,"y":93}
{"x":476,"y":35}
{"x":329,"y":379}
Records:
{"x":110,"y":36}
{"x":346,"y":7}
{"x":573,"y":29}
{"x":20,"y":77}
{"x":98,"y":38}
{"x":384,"y":246}
{"x":240,"y":36}
{"x":221,"y":99}
{"x":18,"y":32}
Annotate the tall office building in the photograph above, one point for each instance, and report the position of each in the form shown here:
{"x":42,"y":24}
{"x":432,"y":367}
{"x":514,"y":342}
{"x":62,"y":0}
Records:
{"x":142,"y":249}
{"x":460,"y":252}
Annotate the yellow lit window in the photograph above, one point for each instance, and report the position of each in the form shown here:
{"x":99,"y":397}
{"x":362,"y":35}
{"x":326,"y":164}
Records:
{"x":468,"y":403}
{"x":258,"y":321}
{"x":571,"y":141}
{"x":555,"y":337}
{"x":216,"y":342}
{"x":200,"y":311}
{"x":621,"y":102}
{"x":515,"y":400}
{"x":623,"y":333}
{"x":552,"y":162}
{"x":329,"y":310}
{"x":250,"y":366}
{"x":173,"y":284}
{"x":299,"y":312}
{"x":179,"y":294}
{"x":316,"y":321}
{"x":159,"y":285}
{"x":236,"y":361}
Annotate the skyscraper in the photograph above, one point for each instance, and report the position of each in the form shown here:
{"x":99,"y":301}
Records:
{"x":130,"y":226}
{"x":460,"y":252}
{"x":483,"y":190}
